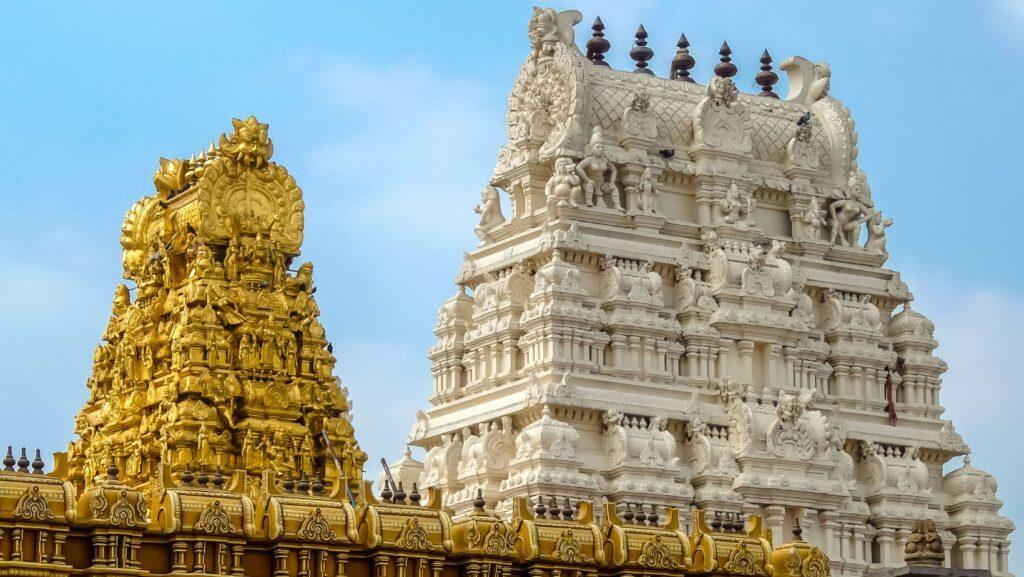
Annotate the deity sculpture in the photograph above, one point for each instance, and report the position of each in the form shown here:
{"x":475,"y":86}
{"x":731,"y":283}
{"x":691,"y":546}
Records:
{"x":598,"y":175}
{"x":877,"y":224}
{"x":813,"y":219}
{"x":924,"y":546}
{"x":849,"y":212}
{"x":563,"y":188}
{"x":738,"y":208}
{"x":648,"y":190}
{"x":489,"y":210}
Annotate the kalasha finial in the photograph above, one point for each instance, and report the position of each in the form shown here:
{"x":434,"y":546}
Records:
{"x":798,"y":531}
{"x":112,"y":472}
{"x":400,"y":494}
{"x":640,"y":52}
{"x":540,"y":509}
{"x":553,"y":509}
{"x":318,"y":485}
{"x":386,"y":494}
{"x":414,"y":496}
{"x":23,"y":462}
{"x":725,"y":68}
{"x":289,"y":485}
{"x":628,"y":515}
{"x":218,"y":478}
{"x":682,"y":62}
{"x":767,"y":77}
{"x":479,"y":502}
{"x":187,"y":477}
{"x":37,"y":463}
{"x":598,"y":44}
{"x":9,"y":461}
{"x":641,"y":514}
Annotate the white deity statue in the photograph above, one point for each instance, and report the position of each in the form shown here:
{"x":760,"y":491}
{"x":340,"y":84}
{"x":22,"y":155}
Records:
{"x":563,"y":188}
{"x":850,"y":211}
{"x":489,"y":210}
{"x":813,"y":219}
{"x":598,"y":174}
{"x":738,"y":208}
{"x":648,"y":191}
{"x":876,"y":232}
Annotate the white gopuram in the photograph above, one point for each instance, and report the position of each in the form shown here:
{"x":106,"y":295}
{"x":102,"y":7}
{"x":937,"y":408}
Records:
{"x":687,"y":307}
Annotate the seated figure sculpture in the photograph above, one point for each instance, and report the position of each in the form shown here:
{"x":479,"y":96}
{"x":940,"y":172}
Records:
{"x":598,"y":175}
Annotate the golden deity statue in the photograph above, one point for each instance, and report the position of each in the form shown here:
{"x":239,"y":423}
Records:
{"x":219,"y":361}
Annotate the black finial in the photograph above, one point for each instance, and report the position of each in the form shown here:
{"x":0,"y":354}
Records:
{"x":386,"y":494}
{"x":37,"y":464}
{"x":414,"y":496}
{"x":725,"y":68}
{"x":640,"y":52}
{"x":741,"y":523}
{"x":9,"y":459}
{"x":798,"y":531}
{"x":479,"y":502}
{"x":23,"y":462}
{"x":203,"y":479}
{"x":400,"y":494}
{"x":303,"y":484}
{"x":567,"y":511}
{"x":187,"y":477}
{"x":652,"y":517}
{"x":539,"y":509}
{"x":627,"y":515}
{"x":716,"y":522}
{"x":289,"y":485}
{"x":317,"y":486}
{"x":767,"y":77}
{"x":682,"y":62}
{"x":218,"y":478}
{"x":112,"y":472}
{"x":553,"y":508}
{"x":598,"y":44}
{"x":641,"y":514}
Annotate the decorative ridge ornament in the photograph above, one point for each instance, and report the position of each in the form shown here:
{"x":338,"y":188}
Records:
{"x":249,"y":144}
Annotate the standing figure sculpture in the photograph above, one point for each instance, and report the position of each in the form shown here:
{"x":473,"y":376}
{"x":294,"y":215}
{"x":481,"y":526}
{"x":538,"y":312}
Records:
{"x":648,"y":188}
{"x":850,"y":211}
{"x":489,"y":210}
{"x":813,"y":219}
{"x":598,"y":175}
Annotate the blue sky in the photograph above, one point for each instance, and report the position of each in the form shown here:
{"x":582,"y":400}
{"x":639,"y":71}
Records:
{"x":390,"y":118}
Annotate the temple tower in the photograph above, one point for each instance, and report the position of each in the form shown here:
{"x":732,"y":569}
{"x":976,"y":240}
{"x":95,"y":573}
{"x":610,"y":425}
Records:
{"x":218,"y":360}
{"x":688,"y":305}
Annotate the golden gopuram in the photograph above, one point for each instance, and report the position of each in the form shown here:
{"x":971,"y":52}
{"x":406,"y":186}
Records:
{"x":216,"y":439}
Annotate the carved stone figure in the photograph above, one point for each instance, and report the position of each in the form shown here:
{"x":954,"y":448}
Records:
{"x":598,"y":175}
{"x":924,"y":545}
{"x":489,"y":210}
{"x":738,"y":207}
{"x":563,"y":188}
{"x":813,"y":219}
{"x":850,"y":211}
{"x":876,"y":232}
{"x":648,"y":190}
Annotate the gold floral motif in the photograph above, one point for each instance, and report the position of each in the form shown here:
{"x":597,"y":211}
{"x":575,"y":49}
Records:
{"x":793,"y":563}
{"x":568,"y":548}
{"x":817,"y":565}
{"x":215,"y":521}
{"x":742,"y":561}
{"x":500,"y":540}
{"x":413,"y":536}
{"x":316,"y":528}
{"x":655,"y":554}
{"x":33,"y":506}
{"x":122,"y":514}
{"x":473,"y":536}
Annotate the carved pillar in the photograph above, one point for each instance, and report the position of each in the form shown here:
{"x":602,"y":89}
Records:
{"x":340,"y":560}
{"x":99,"y":548}
{"x":746,"y":350}
{"x":775,"y":519}
{"x":178,"y":549}
{"x":199,"y":557}
{"x":280,"y":562}
{"x":967,"y":553}
{"x":304,"y":563}
{"x":236,"y":559}
{"x":885,"y":538}
{"x":771,"y":380}
{"x":58,"y":547}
